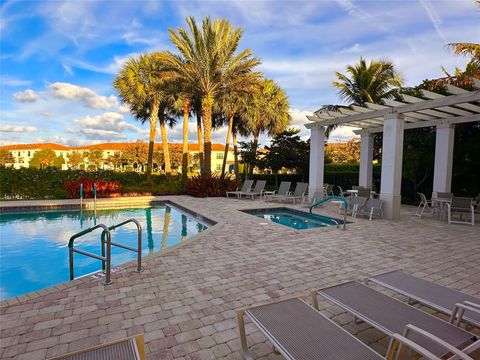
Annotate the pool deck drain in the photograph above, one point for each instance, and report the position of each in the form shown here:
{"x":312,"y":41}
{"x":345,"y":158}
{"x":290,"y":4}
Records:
{"x":185,"y":300}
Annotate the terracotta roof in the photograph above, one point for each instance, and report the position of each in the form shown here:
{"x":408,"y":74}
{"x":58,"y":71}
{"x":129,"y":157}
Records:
{"x":35,"y":146}
{"x":104,"y":146}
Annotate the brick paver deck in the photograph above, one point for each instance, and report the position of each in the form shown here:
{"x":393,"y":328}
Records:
{"x":185,"y":300}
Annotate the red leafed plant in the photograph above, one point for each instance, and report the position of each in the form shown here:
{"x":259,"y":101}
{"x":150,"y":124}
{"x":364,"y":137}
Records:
{"x":210,"y":185}
{"x":105,"y":188}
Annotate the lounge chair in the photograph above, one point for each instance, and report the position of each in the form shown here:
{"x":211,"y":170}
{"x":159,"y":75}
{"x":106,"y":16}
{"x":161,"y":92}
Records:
{"x":354,"y":204}
{"x":131,"y":348}
{"x":317,"y":195}
{"x":328,"y":189}
{"x":391,"y":316}
{"x":298,"y":194}
{"x":299,"y":332}
{"x":257,"y":190}
{"x":461,"y":205}
{"x":283,"y":190}
{"x":246,"y":187}
{"x":438,"y":297}
{"x":371,"y":208}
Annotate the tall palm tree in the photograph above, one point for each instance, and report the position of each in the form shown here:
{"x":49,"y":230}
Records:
{"x":207,"y":61}
{"x":266,"y":111}
{"x":141,"y":84}
{"x":368,"y":82}
{"x":233,"y":101}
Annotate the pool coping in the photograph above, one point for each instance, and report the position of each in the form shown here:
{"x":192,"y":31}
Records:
{"x":67,"y":204}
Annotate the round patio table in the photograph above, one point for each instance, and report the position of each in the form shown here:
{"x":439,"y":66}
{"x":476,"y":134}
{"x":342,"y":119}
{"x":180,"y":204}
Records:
{"x":355,"y":192}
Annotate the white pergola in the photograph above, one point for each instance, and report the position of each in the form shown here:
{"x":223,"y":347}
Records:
{"x":432,"y":109}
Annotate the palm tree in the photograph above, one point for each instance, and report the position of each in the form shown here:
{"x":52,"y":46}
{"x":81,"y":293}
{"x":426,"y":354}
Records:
{"x":141,"y":85}
{"x":266,"y":111}
{"x":364,"y":83}
{"x":233,"y":101}
{"x":207,"y":61}
{"x":368,"y":83}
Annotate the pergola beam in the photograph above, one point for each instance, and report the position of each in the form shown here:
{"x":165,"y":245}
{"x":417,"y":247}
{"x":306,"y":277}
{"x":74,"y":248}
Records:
{"x":451,"y":120}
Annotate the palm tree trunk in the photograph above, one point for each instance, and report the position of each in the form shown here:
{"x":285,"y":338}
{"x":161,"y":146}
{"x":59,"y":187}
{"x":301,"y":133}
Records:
{"x":151,"y":142}
{"x":166,"y":227}
{"x":166,"y":153}
{"x":186,"y":112}
{"x":235,"y":155}
{"x":200,"y":140}
{"x":227,"y":143}
{"x":207,"y":105}
{"x":254,"y":150}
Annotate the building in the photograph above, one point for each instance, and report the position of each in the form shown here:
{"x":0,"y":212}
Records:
{"x":23,"y":153}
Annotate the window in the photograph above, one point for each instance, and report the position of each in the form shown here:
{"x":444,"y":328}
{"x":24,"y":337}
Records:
{"x":29,"y":153}
{"x":220,"y":156}
{"x":219,"y":167}
{"x":19,"y":153}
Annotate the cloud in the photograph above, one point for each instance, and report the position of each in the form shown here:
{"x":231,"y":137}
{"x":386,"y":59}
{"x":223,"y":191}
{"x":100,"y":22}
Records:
{"x":13,"y":82}
{"x":434,"y":18}
{"x":17,"y":128}
{"x":25,"y":96}
{"x":97,"y":134}
{"x":46,"y":114}
{"x":109,"y":121}
{"x":87,"y":96}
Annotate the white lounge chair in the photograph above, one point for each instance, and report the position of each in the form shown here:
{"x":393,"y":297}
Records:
{"x":257,"y":190}
{"x":298,"y":194}
{"x":283,"y":190}
{"x":461,"y":205}
{"x":371,"y":208}
{"x":246,"y":187}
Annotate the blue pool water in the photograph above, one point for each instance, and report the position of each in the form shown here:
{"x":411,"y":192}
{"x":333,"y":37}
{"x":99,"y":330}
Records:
{"x":34,"y":252}
{"x":296,"y":219}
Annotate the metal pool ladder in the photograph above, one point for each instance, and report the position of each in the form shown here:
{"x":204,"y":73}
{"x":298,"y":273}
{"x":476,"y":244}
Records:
{"x":334,"y":198}
{"x":106,"y":244}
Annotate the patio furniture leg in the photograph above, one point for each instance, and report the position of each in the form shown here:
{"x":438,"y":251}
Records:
{"x":243,"y":337}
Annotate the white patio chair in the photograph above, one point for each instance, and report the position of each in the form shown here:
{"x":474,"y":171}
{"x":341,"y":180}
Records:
{"x":461,"y":205}
{"x":425,"y":204}
{"x":371,"y":208}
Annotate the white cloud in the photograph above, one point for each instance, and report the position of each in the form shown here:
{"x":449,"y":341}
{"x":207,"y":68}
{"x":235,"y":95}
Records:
{"x":342,"y":134}
{"x":17,"y":128}
{"x":13,"y":82}
{"x":25,"y":96}
{"x":97,"y":134}
{"x":109,"y":121}
{"x":87,"y":96}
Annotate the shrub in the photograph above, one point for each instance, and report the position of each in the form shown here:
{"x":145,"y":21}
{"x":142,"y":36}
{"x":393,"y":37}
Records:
{"x":210,"y":185}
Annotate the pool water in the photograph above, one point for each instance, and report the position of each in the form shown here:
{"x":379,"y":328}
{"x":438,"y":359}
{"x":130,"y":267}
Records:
{"x":34,"y":251}
{"x":296,"y":219}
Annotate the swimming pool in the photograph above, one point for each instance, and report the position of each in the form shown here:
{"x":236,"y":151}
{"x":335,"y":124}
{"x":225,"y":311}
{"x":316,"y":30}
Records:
{"x":296,"y":219}
{"x":34,"y":252}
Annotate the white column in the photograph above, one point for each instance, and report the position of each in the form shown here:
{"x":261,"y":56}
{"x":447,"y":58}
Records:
{"x":442,"y":175}
{"x":317,"y":147}
{"x":392,"y":154}
{"x":366,"y":159}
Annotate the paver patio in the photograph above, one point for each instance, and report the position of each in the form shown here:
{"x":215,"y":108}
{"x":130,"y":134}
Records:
{"x":185,"y":300}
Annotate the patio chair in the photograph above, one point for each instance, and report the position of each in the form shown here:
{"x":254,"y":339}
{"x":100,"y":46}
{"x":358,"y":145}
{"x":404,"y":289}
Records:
{"x":461,"y":205}
{"x":131,"y":348}
{"x":257,"y":190}
{"x":365,"y":192}
{"x":371,"y":208}
{"x":391,"y":316}
{"x":317,"y":195}
{"x":282,"y":191}
{"x":298,"y":194}
{"x":246,"y":187}
{"x":425,"y":204}
{"x":355,"y":203}
{"x":340,"y":191}
{"x":438,"y":297}
{"x":299,"y":332}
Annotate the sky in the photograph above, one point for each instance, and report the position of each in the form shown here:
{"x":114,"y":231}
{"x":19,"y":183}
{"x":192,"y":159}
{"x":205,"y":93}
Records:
{"x":58,"y":58}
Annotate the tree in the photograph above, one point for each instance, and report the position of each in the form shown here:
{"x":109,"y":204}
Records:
{"x":364,"y":83}
{"x":95,"y":157}
{"x":75,"y":159}
{"x":287,"y":150}
{"x":142,"y":85}
{"x":136,"y":154}
{"x":59,"y":161}
{"x":42,"y":159}
{"x":176,"y":157}
{"x":344,"y":153}
{"x":116,"y":160}
{"x":266,"y":112}
{"x":208,"y":61}
{"x":6,"y":157}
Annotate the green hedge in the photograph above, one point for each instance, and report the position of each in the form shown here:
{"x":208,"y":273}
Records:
{"x":30,"y":183}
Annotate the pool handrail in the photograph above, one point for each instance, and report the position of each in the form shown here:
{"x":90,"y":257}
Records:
{"x":105,"y":258}
{"x":330,"y":198}
{"x":138,"y":250}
